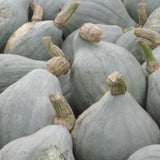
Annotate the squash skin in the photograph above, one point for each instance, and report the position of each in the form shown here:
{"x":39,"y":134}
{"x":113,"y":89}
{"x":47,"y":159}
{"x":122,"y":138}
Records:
{"x":110,"y":34}
{"x":131,"y":7}
{"x":14,"y":67}
{"x":52,"y":141}
{"x":88,"y":80}
{"x":99,"y":12}
{"x":149,"y":152}
{"x":129,"y":41}
{"x":30,"y":44}
{"x":153,"y":94}
{"x":12,"y":15}
{"x":110,"y":129}
{"x":25,"y":106}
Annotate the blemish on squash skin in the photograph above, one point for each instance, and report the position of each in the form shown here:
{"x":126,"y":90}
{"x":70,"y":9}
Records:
{"x":18,"y":33}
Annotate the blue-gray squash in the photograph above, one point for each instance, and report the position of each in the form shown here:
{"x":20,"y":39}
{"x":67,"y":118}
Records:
{"x":25,"y":106}
{"x":14,"y":67}
{"x":129,"y":41}
{"x":27,"y":40}
{"x":151,"y":152}
{"x":131,"y":6}
{"x":51,"y":142}
{"x":51,"y":8}
{"x":153,"y":96}
{"x":99,"y":12}
{"x":93,"y":62}
{"x":114,"y":127}
{"x":110,"y":34}
{"x":12,"y":15}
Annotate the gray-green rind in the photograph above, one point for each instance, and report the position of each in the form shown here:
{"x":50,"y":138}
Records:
{"x":12,"y":15}
{"x":93,"y":63}
{"x":114,"y":128}
{"x":31,"y":44}
{"x":51,"y":142}
{"x":25,"y":106}
{"x":99,"y":12}
{"x":151,"y":152}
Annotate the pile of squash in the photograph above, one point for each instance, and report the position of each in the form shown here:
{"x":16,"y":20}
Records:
{"x":79,"y":80}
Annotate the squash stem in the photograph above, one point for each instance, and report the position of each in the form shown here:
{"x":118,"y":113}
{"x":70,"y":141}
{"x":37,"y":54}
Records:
{"x":116,"y":83}
{"x":58,"y":66}
{"x":64,"y":113}
{"x":148,"y":34}
{"x":141,"y":8}
{"x":151,"y":63}
{"x":52,"y":49}
{"x":65,"y":15}
{"x":37,"y":12}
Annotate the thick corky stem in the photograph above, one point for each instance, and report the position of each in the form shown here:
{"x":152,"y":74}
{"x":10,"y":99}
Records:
{"x":65,"y":15}
{"x":148,"y":34}
{"x":64,"y":113}
{"x":91,"y":32}
{"x":37,"y":12}
{"x":116,"y":83}
{"x":58,"y":66}
{"x":151,"y":63}
{"x":52,"y":49}
{"x":141,"y":8}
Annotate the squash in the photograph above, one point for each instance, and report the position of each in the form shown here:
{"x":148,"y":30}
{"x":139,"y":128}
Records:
{"x":109,"y":127}
{"x":129,"y":41}
{"x":149,"y":152}
{"x":131,"y":7}
{"x":12,"y":15}
{"x":93,"y":62}
{"x":14,"y":67}
{"x":51,"y":142}
{"x":110,"y":34}
{"x":153,"y":68}
{"x":99,"y":12}
{"x":27,"y":40}
{"x":25,"y":106}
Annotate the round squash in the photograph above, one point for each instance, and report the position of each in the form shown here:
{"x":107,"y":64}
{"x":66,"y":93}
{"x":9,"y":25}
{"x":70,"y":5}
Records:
{"x":108,"y":130}
{"x":51,"y":142}
{"x":25,"y":106}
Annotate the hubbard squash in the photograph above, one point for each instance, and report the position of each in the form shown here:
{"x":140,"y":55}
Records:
{"x":93,"y":62}
{"x":108,"y":130}
{"x":25,"y":106}
{"x":52,"y":142}
{"x":27,"y":40}
{"x":151,"y":152}
{"x":12,"y":15}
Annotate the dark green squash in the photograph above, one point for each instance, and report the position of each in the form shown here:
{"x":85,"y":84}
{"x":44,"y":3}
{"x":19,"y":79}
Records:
{"x":114,"y":127}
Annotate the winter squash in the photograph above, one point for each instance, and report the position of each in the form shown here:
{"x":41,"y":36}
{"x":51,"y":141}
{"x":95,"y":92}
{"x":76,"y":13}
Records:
{"x":153,"y":68}
{"x":131,"y":7}
{"x":12,"y":15}
{"x":51,"y":142}
{"x":93,"y":62}
{"x":109,"y":127}
{"x":99,"y":12}
{"x":110,"y":34}
{"x":27,"y":40}
{"x":25,"y":106}
{"x":145,"y":153}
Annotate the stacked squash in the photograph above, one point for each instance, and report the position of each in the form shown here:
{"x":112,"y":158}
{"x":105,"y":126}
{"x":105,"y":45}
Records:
{"x":72,"y":89}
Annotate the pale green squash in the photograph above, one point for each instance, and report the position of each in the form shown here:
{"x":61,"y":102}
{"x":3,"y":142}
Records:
{"x":12,"y":15}
{"x":114,"y":127}
{"x":25,"y":106}
{"x":93,"y":62}
{"x":52,"y":142}
{"x":151,"y":152}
